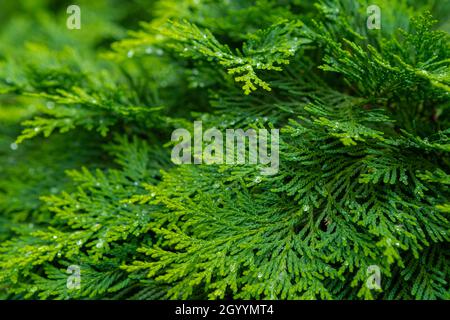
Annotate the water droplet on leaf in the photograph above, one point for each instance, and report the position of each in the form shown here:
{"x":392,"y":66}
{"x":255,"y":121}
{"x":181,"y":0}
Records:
{"x":99,"y":244}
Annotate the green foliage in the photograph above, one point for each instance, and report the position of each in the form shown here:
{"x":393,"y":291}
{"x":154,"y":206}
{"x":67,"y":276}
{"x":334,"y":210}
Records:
{"x":86,"y":178}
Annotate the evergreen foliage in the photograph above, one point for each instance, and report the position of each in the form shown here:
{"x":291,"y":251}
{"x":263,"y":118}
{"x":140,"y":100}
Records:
{"x":86,"y":178}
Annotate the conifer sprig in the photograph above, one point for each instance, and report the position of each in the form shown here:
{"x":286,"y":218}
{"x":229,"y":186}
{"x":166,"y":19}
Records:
{"x":86,"y":178}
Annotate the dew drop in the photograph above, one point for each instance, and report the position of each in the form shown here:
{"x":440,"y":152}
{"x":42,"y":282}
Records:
{"x":14,"y":146}
{"x":99,"y":243}
{"x":130,"y":54}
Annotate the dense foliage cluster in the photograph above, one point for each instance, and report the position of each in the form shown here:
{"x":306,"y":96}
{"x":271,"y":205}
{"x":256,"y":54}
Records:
{"x":86,"y":179}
